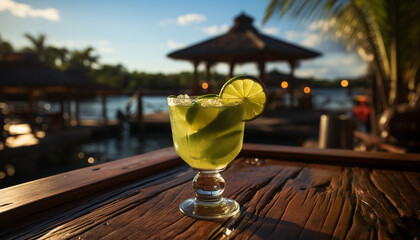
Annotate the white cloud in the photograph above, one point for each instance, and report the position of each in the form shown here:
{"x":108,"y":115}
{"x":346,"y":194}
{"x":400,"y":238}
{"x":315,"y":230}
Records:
{"x":311,"y":72}
{"x":173,"y":44}
{"x":213,"y":30}
{"x":24,"y":10}
{"x":312,"y":40}
{"x":190,"y":18}
{"x":296,"y":35}
{"x":102,"y":42}
{"x":105,"y":50}
{"x":333,"y":66}
{"x":272,"y":30}
{"x":320,"y":25}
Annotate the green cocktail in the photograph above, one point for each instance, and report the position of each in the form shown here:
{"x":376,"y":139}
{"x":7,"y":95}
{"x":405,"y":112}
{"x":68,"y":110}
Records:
{"x":208,"y":132}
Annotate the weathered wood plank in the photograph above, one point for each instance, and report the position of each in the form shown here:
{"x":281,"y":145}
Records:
{"x":279,"y":198}
{"x":398,"y":190}
{"x":374,"y":215}
{"x":45,"y":223}
{"x":17,"y":201}
{"x":333,"y":156}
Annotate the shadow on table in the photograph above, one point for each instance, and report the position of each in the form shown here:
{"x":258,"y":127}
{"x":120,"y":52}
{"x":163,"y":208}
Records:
{"x":270,"y":228}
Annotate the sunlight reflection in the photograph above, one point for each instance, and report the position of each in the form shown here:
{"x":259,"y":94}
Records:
{"x":344,"y":83}
{"x":40,"y":134}
{"x":47,"y":106}
{"x":10,"y":170}
{"x":91,"y":160}
{"x":18,"y":128}
{"x":21,"y":140}
{"x":80,"y":155}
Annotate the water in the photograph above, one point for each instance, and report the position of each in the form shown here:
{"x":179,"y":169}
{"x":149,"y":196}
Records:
{"x":333,"y":99}
{"x":92,"y":109}
{"x":323,"y":99}
{"x":24,"y":167}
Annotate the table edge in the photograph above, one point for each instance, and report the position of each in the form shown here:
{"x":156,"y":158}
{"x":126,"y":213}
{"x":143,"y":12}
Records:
{"x":19,"y":201}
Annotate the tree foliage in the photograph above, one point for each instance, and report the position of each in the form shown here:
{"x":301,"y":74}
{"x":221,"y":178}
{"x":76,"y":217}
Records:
{"x":118,"y":76}
{"x":386,"y":33}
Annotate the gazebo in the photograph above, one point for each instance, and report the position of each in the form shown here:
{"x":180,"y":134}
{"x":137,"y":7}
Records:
{"x":243,"y":43}
{"x":24,"y":77}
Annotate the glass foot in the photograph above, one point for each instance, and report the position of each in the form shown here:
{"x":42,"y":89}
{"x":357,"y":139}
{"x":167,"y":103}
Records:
{"x":208,"y":203}
{"x":225,"y":208}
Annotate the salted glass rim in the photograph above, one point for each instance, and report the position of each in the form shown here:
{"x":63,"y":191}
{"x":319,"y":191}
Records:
{"x":237,"y":101}
{"x":194,"y":97}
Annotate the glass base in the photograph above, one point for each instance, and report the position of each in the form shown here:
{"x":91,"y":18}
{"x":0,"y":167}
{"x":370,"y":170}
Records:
{"x":225,"y":208}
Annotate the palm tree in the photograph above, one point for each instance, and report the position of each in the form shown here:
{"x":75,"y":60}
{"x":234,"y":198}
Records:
{"x":385,"y":32}
{"x":52,"y":56}
{"x":83,"y":59}
{"x":5,"y":46}
{"x":38,"y":46}
{"x":59,"y":56}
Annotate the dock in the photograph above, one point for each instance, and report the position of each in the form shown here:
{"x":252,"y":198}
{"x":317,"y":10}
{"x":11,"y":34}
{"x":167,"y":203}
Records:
{"x":303,"y":124}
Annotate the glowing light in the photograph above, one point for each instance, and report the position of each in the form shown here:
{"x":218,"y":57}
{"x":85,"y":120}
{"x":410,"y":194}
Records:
{"x":1,"y":146}
{"x":10,"y":170}
{"x":80,"y":155}
{"x":205,"y":85}
{"x":91,"y":160}
{"x":40,"y":134}
{"x":21,"y":140}
{"x":284,"y":84}
{"x":38,"y":119}
{"x":19,"y":129}
{"x":47,"y":106}
{"x":307,"y":90}
{"x":2,"y":175}
{"x":344,"y":83}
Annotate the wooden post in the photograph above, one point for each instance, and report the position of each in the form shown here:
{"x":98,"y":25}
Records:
{"x":194,"y":88}
{"x":104,"y":112}
{"x":77,"y":113}
{"x":208,"y":68}
{"x":140,"y":112}
{"x":231,"y":69}
{"x":261,"y":69}
{"x":291,"y":82}
{"x":69,"y":117}
{"x":63,"y":122}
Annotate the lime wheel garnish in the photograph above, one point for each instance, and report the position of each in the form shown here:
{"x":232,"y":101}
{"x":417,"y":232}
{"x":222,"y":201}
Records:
{"x":251,"y":91}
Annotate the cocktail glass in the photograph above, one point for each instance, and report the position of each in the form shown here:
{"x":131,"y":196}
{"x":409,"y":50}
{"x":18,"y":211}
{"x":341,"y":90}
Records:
{"x":207,"y":134}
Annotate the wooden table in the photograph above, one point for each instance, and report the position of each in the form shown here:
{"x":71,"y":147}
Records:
{"x":284,"y":193}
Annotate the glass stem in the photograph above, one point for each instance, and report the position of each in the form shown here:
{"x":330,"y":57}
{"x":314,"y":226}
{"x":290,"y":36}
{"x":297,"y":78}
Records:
{"x":209,"y":186}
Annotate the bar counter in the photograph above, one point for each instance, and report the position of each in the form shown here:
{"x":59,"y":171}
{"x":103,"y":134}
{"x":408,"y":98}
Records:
{"x":284,"y":193}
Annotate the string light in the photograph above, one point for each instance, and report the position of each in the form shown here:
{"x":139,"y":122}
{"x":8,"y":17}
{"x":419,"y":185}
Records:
{"x":284,"y":84}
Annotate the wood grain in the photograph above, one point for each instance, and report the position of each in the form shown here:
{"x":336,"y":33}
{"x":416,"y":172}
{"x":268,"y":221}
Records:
{"x":280,"y":198}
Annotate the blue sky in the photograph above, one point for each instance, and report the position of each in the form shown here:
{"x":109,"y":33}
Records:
{"x":140,"y":34}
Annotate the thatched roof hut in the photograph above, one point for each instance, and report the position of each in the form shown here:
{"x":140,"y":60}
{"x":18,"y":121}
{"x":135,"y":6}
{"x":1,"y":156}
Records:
{"x":243,"y":43}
